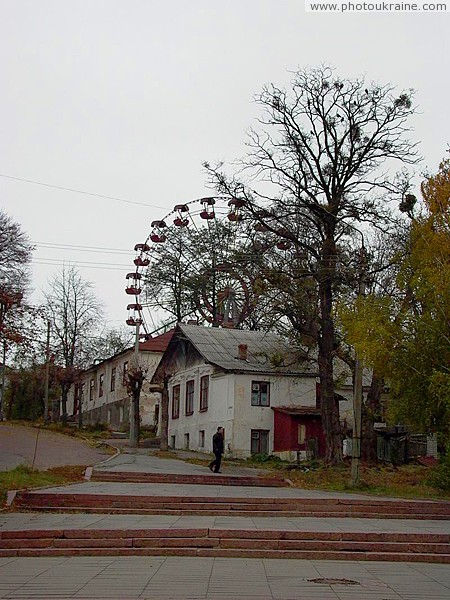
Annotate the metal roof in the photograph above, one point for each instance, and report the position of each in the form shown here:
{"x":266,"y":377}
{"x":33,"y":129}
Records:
{"x":302,"y":411}
{"x":266,"y":352}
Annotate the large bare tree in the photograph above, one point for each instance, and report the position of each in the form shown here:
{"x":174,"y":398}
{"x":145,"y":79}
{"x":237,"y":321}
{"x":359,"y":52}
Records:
{"x":75,"y":315}
{"x":316,"y":174}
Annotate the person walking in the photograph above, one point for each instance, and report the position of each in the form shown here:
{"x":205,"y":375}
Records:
{"x":217,"y":450}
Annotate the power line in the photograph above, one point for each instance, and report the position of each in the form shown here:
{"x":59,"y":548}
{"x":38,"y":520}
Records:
{"x":60,"y":187}
{"x":82,"y":262}
{"x":90,"y":249}
{"x":88,"y":266}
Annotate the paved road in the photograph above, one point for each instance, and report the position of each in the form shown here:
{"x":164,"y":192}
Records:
{"x":19,"y":443}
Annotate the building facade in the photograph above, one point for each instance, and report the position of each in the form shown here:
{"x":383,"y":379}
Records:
{"x":101,"y":391}
{"x":235,"y":379}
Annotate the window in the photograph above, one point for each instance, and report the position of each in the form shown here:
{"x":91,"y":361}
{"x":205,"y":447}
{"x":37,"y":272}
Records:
{"x":91,"y":389}
{"x":204,"y":392}
{"x":125,"y":373}
{"x":186,"y":441}
{"x":101,"y":381}
{"x":112,"y":386}
{"x":260,"y":441}
{"x":172,"y":441}
{"x":260,"y":393}
{"x":189,"y":397}
{"x":175,"y":402}
{"x":201,"y":438}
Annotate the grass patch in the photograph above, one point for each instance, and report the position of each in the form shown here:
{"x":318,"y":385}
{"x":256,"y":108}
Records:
{"x":23,"y":477}
{"x":406,"y":481}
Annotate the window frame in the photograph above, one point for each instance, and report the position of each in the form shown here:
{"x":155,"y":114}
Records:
{"x":204,"y":393}
{"x":189,"y":397}
{"x":201,"y":438}
{"x":101,"y":383}
{"x":259,"y":392}
{"x":176,"y":413}
{"x":112,"y":384}
{"x":258,"y":432}
{"x":125,"y":373}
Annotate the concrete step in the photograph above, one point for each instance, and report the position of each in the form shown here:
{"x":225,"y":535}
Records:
{"x":228,"y":542}
{"x":207,"y":479}
{"x":244,"y":506}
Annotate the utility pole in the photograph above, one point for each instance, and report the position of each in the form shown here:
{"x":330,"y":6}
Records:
{"x":47,"y":372}
{"x":2,"y":397}
{"x":134,"y":402}
{"x":358,"y":388}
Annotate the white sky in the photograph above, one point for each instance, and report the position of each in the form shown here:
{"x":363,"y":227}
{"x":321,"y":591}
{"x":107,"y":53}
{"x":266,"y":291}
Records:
{"x":126,"y":98}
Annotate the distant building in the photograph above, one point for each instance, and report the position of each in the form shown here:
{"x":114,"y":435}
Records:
{"x":102,"y":395}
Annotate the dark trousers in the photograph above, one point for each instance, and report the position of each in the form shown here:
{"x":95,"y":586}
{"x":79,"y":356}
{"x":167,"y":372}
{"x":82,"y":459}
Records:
{"x":216,"y":462}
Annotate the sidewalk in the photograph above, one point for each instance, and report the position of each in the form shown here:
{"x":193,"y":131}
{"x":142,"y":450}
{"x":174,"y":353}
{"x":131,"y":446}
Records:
{"x":157,"y":578}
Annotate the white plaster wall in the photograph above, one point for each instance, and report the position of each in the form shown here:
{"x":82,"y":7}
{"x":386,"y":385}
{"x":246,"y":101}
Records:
{"x":284,"y":391}
{"x":220,"y":409}
{"x":230,"y":407}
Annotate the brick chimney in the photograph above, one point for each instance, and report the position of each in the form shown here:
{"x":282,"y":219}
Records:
{"x":242,"y":352}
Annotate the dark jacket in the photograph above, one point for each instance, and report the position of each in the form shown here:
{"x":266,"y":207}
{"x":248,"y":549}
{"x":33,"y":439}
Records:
{"x":218,"y":443}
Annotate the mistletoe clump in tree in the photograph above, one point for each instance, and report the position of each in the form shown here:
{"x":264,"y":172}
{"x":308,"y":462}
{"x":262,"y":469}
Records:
{"x":312,"y":176}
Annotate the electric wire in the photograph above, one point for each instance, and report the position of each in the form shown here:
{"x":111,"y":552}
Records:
{"x":67,"y":189}
{"x":95,"y":249}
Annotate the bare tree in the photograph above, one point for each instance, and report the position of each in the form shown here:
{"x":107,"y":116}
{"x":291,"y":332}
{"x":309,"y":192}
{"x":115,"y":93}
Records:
{"x":75,"y":314}
{"x":15,"y":258}
{"x":316,"y":160}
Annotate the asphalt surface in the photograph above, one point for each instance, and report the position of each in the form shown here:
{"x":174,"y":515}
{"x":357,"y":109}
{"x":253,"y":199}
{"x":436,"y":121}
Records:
{"x":30,"y":446}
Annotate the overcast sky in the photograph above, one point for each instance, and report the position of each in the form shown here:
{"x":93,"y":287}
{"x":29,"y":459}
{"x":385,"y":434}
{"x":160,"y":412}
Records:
{"x":126,"y":98}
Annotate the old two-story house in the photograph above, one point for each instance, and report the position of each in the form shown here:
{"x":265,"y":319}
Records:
{"x":249,"y":382}
{"x":101,"y":391}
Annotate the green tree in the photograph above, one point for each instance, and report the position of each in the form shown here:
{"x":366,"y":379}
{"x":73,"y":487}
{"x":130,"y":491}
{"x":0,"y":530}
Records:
{"x":406,"y":335}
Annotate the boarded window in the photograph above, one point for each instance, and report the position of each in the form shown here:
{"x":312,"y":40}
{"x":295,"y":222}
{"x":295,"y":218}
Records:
{"x":259,"y":441}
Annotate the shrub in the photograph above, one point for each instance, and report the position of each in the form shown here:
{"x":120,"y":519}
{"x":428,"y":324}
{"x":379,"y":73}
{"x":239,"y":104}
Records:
{"x":440,"y":478}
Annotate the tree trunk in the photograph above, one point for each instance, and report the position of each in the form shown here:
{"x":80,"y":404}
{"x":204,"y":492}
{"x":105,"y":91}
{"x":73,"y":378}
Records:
{"x":164,"y":444}
{"x":137,"y":414}
{"x":371,"y":414}
{"x":329,"y":406}
{"x":64,"y":394}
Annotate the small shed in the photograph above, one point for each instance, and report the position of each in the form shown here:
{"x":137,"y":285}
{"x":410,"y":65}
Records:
{"x":298,"y":429}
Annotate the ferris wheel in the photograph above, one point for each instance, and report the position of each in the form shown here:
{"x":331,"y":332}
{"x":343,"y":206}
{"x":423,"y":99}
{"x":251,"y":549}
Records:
{"x":195,"y":264}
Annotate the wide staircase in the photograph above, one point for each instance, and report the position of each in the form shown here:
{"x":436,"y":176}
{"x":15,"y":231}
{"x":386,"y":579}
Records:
{"x":246,"y":497}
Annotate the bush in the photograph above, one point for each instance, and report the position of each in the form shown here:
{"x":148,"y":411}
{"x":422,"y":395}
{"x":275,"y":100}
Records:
{"x":264,"y":458}
{"x":440,"y":478}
